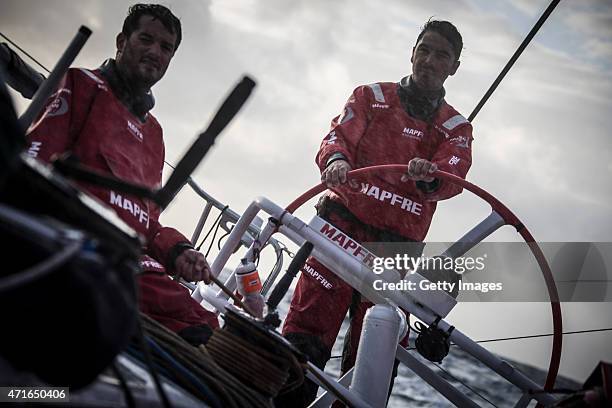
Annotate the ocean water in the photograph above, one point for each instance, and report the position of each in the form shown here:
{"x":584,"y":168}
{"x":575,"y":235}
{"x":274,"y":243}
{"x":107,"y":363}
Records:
{"x":486,"y":388}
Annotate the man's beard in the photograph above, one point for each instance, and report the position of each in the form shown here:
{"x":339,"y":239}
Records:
{"x":136,"y":75}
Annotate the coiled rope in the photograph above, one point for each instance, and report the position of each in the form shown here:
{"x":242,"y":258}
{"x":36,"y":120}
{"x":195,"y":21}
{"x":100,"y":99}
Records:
{"x":227,"y":389}
{"x":254,"y":356}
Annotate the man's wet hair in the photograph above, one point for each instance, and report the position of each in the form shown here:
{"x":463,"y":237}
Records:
{"x":446,"y":30}
{"x":158,"y":12}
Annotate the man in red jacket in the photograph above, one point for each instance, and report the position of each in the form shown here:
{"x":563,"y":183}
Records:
{"x":102,"y":118}
{"x":382,"y":123}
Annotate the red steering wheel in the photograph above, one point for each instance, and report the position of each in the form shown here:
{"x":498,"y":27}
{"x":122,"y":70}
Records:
{"x":509,"y":219}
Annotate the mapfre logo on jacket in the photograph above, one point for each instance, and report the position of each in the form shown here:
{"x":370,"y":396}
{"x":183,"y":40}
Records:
{"x":392,"y":199}
{"x":135,"y":130}
{"x":118,"y":201}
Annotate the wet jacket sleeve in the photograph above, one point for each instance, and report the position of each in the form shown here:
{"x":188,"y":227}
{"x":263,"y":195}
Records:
{"x":346,"y":129}
{"x":19,"y":75}
{"x":454,"y":155}
{"x":164,"y":244}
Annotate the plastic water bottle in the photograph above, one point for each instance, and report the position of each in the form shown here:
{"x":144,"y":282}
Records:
{"x":249,"y":286}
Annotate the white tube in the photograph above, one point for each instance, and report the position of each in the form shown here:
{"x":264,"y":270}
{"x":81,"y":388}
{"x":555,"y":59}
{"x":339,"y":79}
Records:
{"x":382,"y":327}
{"x":210,"y":296}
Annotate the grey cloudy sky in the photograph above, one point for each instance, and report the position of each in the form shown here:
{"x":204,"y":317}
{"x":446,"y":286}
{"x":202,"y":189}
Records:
{"x":542,"y":143}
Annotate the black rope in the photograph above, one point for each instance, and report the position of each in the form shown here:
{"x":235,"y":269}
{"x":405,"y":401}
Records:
{"x":217,"y":220}
{"x":513,"y":59}
{"x":257,"y":253}
{"x":215,"y":226}
{"x":212,"y":241}
{"x":418,"y":326}
{"x":23,"y":51}
{"x":223,"y":236}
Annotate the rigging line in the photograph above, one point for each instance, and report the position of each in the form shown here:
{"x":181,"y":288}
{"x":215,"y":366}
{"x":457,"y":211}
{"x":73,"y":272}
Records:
{"x":544,"y":335}
{"x":583,"y":280}
{"x":215,"y":224}
{"x":513,"y":338}
{"x":223,"y":236}
{"x":212,"y":241}
{"x":174,"y":168}
{"x":514,"y":57}
{"x":25,"y":52}
{"x":533,"y":336}
{"x":464,"y":384}
{"x":516,"y":338}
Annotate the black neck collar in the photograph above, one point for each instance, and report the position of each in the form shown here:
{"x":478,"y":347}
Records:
{"x":139,"y":103}
{"x":417,"y":102}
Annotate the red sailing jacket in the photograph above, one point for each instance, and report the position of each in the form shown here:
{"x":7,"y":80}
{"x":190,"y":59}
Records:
{"x":85,"y":118}
{"x":375,"y":129}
